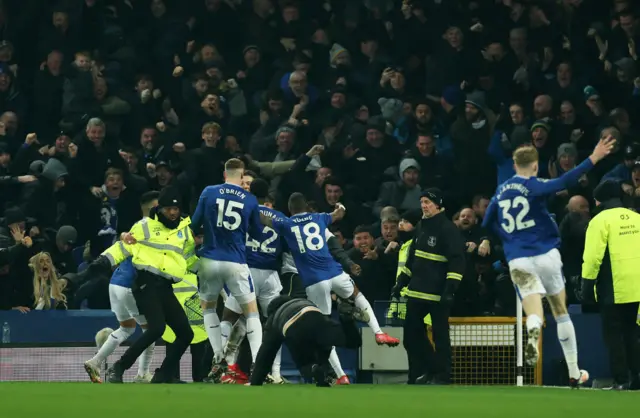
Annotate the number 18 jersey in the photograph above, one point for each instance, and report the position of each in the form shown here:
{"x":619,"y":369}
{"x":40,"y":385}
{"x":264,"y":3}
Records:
{"x":305,"y":236}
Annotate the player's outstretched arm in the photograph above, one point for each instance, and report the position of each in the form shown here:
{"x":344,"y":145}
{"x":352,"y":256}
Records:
{"x":338,"y":213}
{"x":571,"y":177}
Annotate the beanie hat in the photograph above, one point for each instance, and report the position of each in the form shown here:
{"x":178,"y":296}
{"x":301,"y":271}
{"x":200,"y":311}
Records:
{"x":170,"y":196}
{"x":567,"y":149}
{"x":67,"y":235}
{"x":433,"y":194}
{"x":632,"y":151}
{"x":249,"y":48}
{"x":406,"y":164}
{"x":335,"y":52}
{"x":54,"y":169}
{"x":607,"y":190}
{"x":541,"y":123}
{"x":478,"y":99}
{"x":453,"y":95}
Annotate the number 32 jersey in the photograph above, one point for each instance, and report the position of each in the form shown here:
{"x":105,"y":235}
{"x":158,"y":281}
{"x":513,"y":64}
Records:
{"x":518,"y":213}
{"x":227,"y":213}
{"x":305,"y":236}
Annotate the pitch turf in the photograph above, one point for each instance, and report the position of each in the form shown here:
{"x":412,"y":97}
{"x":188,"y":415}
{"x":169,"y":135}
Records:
{"x":70,"y":400}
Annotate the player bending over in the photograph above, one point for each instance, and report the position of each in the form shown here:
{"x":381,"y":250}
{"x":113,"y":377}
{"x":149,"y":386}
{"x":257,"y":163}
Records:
{"x":304,"y":234}
{"x":518,"y":213}
{"x":309,"y":335}
{"x":124,"y":306}
{"x":227,"y":213}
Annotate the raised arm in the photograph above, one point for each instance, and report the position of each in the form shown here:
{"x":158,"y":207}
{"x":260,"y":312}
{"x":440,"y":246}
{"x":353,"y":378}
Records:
{"x":568,"y":179}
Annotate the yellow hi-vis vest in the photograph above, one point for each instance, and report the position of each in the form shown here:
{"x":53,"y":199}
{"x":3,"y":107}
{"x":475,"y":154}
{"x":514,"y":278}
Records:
{"x":159,"y":250}
{"x":401,"y":308}
{"x":183,"y":291}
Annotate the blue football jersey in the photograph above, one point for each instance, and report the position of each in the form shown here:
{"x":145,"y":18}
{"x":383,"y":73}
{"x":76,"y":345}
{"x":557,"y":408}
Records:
{"x":518,"y":213}
{"x":263,"y":250}
{"x":227,"y":213}
{"x":124,"y":275}
{"x":305,"y":236}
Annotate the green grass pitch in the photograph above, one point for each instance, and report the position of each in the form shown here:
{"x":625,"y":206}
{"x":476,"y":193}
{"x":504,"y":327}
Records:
{"x":70,"y":400}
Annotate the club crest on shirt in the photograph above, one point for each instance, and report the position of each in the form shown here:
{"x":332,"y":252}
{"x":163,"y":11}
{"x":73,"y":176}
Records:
{"x":180,"y":234}
{"x":431,"y":241}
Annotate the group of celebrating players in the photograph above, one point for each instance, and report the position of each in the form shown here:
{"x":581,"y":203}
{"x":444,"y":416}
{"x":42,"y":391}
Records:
{"x":246,"y":242}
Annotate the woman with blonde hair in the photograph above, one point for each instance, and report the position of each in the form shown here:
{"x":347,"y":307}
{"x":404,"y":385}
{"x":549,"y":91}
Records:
{"x":48,"y":288}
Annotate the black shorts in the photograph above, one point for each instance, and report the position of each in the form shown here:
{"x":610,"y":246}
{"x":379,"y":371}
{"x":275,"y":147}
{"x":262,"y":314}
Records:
{"x":292,"y":285}
{"x":311,"y":338}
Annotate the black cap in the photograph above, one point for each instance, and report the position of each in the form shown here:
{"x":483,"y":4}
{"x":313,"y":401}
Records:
{"x":433,"y":194}
{"x":170,"y":196}
{"x":632,"y":151}
{"x":607,"y":190}
{"x":14,"y":215}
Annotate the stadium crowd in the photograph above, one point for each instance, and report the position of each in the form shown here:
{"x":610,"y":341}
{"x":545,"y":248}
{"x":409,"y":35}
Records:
{"x":104,"y":100}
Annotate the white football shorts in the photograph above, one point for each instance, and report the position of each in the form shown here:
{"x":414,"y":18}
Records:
{"x":320,"y":293}
{"x":215,"y":275}
{"x":541,"y":274}
{"x":123,"y":304}
{"x":267,"y":286}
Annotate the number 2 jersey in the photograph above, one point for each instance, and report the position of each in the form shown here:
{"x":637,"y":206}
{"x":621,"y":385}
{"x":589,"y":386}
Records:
{"x":227,"y":213}
{"x":518,"y":213}
{"x":305,"y":236}
{"x":264,"y":248}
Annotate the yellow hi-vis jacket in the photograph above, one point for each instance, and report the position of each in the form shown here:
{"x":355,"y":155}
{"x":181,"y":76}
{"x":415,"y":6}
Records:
{"x":401,"y":308}
{"x":184,"y":290}
{"x":611,"y":255}
{"x":168,"y":253}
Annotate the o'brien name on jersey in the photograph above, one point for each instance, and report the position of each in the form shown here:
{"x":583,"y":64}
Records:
{"x":239,"y":193}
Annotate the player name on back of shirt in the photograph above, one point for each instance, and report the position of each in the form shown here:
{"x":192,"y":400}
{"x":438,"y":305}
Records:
{"x":303,"y":219}
{"x":240,"y":193}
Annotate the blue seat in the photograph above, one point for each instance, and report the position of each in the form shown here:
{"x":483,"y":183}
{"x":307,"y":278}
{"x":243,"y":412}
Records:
{"x":78,"y":255}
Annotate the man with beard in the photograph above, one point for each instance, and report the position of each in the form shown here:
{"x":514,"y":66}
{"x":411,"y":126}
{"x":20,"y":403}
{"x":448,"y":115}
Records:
{"x":573,"y":228}
{"x":631,"y":189}
{"x":540,"y":131}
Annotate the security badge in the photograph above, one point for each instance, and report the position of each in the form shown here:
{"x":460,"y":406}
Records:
{"x":431,"y":241}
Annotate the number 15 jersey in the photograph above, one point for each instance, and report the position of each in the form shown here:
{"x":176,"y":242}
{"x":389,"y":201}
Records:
{"x":306,"y":238}
{"x":518,"y":213}
{"x":227,"y":212}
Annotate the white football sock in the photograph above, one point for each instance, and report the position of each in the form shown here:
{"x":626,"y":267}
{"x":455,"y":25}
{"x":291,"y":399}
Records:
{"x":275,"y":369}
{"x":533,"y":321}
{"x":212,"y":326}
{"x":334,"y":361}
{"x":225,"y":330}
{"x":567,"y":338}
{"x":236,"y":336}
{"x":363,"y":304}
{"x":144,"y":362}
{"x":254,"y":333}
{"x":116,"y":338}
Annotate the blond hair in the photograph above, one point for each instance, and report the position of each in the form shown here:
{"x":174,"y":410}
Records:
{"x":234,"y":167}
{"x":525,"y":155}
{"x":46,"y":286}
{"x":211,"y":127}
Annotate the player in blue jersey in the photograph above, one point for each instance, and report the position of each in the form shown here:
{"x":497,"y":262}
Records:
{"x":124,"y":306}
{"x":530,"y":237}
{"x":263,"y":259}
{"x":227,"y":213}
{"x":306,"y":235}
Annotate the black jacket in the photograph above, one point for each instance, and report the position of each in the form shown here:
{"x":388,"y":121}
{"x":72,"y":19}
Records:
{"x":436,"y":260}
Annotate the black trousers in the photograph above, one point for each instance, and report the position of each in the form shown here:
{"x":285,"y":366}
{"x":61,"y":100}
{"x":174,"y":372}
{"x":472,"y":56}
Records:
{"x":156,"y":301}
{"x":420,"y":353}
{"x":621,"y":336}
{"x":201,"y":358}
{"x":310,"y":340}
{"x":292,"y":286}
